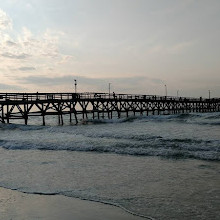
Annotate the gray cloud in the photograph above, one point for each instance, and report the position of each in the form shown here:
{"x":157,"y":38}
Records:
{"x":15,"y":56}
{"x":10,"y":43}
{"x":44,"y":80}
{"x":9,"y":87}
{"x":157,"y":81}
{"x":26,"y":68}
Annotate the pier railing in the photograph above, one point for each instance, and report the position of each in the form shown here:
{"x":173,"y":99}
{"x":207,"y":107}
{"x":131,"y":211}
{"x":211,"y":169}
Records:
{"x":69,"y":96}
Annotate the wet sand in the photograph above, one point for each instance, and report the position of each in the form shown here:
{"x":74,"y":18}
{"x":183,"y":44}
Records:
{"x":15,"y":205}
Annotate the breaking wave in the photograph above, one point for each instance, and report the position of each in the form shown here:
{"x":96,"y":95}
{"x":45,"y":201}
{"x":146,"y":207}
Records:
{"x":154,"y":146}
{"x":193,"y":136}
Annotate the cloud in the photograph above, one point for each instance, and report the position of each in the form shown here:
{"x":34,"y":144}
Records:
{"x":24,"y":68}
{"x":27,"y":68}
{"x":69,"y":79}
{"x":138,"y":84}
{"x":5,"y":21}
{"x":26,"y":45}
{"x":26,"y":48}
{"x":14,"y":56}
{"x":10,"y":43}
{"x":179,"y":47}
{"x":157,"y":81}
{"x":174,"y":8}
{"x":9,"y":87}
{"x":171,"y":49}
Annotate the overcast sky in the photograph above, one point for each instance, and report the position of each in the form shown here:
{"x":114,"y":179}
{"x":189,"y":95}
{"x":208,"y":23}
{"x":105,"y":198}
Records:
{"x":138,"y":46}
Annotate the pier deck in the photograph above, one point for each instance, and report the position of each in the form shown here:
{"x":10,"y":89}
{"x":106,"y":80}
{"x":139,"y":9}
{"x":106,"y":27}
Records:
{"x":96,"y":105}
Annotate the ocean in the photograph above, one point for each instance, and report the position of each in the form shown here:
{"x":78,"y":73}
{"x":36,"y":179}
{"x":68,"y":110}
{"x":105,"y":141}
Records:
{"x":157,"y":167}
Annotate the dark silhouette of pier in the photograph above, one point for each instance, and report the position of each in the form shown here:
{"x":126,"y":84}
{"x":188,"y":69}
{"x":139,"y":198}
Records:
{"x":96,"y":105}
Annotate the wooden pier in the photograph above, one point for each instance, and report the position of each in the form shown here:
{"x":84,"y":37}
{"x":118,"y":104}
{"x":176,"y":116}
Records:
{"x":96,"y":105}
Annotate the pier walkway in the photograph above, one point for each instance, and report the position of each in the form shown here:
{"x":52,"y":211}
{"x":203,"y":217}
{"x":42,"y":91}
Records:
{"x":96,"y":105}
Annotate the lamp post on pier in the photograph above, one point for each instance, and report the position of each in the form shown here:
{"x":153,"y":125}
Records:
{"x":75,"y":85}
{"x":165,"y":90}
{"x":109,"y":89}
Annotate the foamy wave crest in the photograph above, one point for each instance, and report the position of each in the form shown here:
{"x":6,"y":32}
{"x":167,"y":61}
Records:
{"x":212,"y":123}
{"x":180,"y":118}
{"x":215,"y":116}
{"x":168,"y":148}
{"x":105,"y":121}
{"x":144,"y":118}
{"x":195,"y":118}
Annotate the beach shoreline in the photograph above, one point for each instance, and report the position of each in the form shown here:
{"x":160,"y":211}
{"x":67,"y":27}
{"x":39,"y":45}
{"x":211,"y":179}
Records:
{"x":16,"y":205}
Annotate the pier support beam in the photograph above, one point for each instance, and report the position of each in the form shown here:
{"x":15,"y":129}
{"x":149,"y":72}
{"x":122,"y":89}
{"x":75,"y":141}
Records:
{"x":3,"y":120}
{"x":43,"y":115}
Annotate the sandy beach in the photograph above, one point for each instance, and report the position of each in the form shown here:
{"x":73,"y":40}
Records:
{"x":15,"y":205}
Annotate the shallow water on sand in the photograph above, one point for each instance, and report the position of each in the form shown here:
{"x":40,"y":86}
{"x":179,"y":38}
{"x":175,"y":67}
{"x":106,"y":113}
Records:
{"x":166,"y":167}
